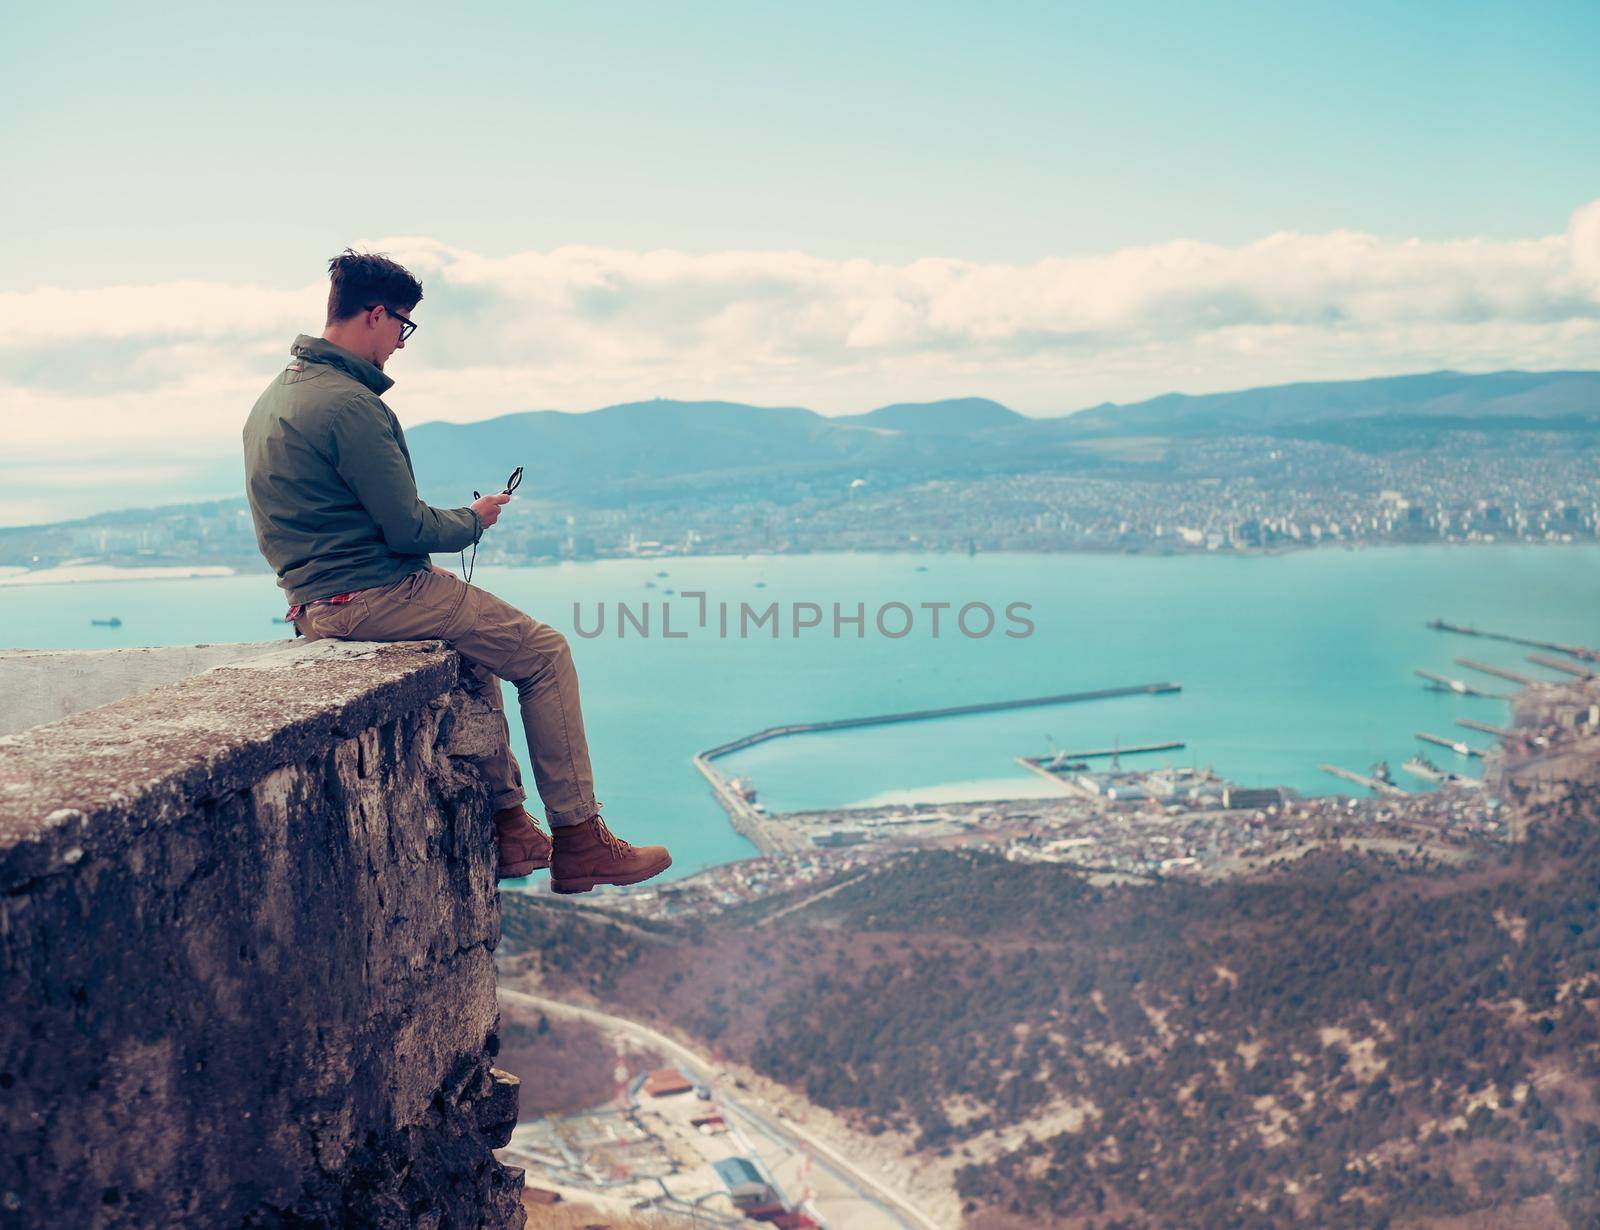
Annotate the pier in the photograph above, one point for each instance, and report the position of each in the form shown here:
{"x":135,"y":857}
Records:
{"x":1375,"y":784}
{"x":1556,"y":664}
{"x":1455,"y":745}
{"x":1499,"y":732}
{"x":755,"y":826}
{"x":1034,"y":765}
{"x":1582,"y":652}
{"x":1443,"y":683}
{"x":923,"y":715}
{"x":1499,"y":672}
{"x":1421,"y":766}
{"x":752,"y":821}
{"x":1137,"y":749}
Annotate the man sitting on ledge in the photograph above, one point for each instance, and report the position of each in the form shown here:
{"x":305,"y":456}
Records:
{"x":337,"y":516}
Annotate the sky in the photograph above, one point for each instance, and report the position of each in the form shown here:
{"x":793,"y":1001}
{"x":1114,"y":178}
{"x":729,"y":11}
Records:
{"x":828,"y":205}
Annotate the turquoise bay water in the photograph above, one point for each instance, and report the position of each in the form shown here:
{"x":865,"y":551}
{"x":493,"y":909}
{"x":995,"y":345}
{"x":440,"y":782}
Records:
{"x":1285,"y":661}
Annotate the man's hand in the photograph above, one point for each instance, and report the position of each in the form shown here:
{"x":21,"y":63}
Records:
{"x":488,"y":508}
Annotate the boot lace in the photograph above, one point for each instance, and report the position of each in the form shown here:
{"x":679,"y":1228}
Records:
{"x":614,"y":843}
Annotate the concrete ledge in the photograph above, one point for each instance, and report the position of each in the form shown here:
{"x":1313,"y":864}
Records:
{"x":247,"y":923}
{"x":46,"y":685}
{"x":82,"y":787}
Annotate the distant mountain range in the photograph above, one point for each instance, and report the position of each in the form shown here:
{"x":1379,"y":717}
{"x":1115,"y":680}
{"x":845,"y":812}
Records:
{"x":1441,"y":398}
{"x":721,"y":452}
{"x":955,"y":417}
{"x":658,"y":448}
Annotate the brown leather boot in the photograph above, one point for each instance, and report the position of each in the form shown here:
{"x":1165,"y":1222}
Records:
{"x":523,"y":846}
{"x":589,"y":853}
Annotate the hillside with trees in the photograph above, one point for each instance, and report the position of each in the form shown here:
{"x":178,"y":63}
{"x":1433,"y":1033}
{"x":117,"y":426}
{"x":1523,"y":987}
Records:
{"x":1343,"y":1043}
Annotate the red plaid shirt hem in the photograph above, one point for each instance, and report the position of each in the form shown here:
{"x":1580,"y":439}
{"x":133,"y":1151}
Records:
{"x":295,"y":611}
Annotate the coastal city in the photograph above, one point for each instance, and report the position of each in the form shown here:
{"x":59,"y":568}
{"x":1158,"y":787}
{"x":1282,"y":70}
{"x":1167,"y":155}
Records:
{"x":1121,"y":824}
{"x":1138,"y":831}
{"x":1233,"y":494}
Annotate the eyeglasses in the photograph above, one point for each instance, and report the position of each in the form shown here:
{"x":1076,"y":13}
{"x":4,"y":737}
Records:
{"x":512,"y":484}
{"x":407,"y":327}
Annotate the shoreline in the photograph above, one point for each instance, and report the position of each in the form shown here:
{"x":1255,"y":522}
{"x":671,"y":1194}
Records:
{"x":92,"y":574}
{"x":12,"y":576}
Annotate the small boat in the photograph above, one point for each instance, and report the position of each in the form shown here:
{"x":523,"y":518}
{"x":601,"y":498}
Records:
{"x":661,"y":574}
{"x":761,"y":585}
{"x":113,"y":622}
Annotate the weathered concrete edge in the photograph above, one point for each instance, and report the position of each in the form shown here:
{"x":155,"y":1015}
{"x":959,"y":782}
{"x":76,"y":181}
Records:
{"x":38,"y":686}
{"x":88,"y":785}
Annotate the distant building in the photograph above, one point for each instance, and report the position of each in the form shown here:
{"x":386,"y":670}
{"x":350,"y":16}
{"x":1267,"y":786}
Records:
{"x":1246,"y":799}
{"x":664,"y":1082}
{"x":543,"y":547}
{"x":745,"y":1185}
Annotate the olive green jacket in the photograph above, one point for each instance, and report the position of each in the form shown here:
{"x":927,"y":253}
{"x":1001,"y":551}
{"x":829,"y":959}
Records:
{"x":330,"y":481}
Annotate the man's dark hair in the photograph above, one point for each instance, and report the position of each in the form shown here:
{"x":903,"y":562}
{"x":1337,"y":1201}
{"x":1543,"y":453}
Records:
{"x":361,"y":280}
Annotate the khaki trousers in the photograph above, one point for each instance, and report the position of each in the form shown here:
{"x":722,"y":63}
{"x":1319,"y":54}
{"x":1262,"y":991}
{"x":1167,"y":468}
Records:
{"x":497,"y":641}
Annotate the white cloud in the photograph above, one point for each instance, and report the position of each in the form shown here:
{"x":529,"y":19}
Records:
{"x":580,"y":327}
{"x":188,"y":310}
{"x":1583,"y":238}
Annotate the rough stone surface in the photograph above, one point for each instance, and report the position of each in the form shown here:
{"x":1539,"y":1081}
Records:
{"x":46,"y":685}
{"x":497,"y":1113}
{"x":246,"y":934}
